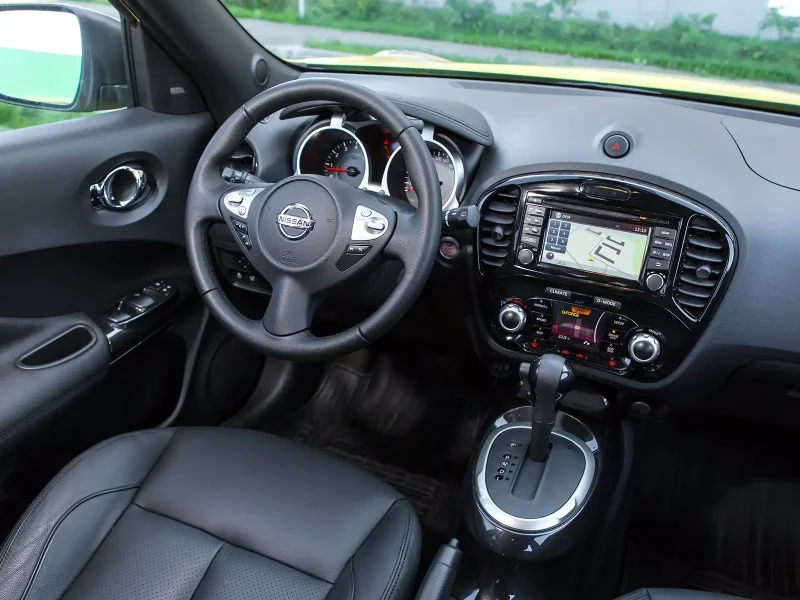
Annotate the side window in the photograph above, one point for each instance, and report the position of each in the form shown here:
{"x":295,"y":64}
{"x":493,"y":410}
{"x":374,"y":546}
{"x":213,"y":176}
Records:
{"x":45,"y":75}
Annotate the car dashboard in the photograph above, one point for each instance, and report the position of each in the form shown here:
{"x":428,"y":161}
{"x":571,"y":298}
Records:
{"x":651,"y":241}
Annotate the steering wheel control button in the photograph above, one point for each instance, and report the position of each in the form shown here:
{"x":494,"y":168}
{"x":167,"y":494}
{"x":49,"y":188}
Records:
{"x":371,"y":227}
{"x":557,"y":293}
{"x":606,"y":303}
{"x":616,"y":146}
{"x":359,"y":249}
{"x":654,"y":282}
{"x":239,"y":226}
{"x":352,"y":254}
{"x":245,"y":239}
{"x":238,"y":201}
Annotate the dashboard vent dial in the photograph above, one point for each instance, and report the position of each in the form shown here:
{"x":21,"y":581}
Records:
{"x":703,"y":262}
{"x":496,"y":231}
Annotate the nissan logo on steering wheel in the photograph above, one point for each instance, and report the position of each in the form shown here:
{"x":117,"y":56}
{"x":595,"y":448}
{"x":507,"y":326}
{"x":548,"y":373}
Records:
{"x":295,"y":221}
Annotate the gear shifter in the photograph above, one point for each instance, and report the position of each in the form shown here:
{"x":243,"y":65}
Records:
{"x":550,"y":378}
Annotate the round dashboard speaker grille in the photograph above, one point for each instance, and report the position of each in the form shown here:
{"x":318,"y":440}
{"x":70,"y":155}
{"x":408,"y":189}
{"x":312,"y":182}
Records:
{"x":261,"y":71}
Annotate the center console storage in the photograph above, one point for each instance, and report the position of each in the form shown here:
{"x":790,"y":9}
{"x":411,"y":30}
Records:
{"x":607,"y":271}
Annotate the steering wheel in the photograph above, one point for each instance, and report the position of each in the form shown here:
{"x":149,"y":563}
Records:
{"x":309,"y":234}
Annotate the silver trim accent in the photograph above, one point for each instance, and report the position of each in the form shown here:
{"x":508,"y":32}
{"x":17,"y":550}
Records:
{"x":368,"y":224}
{"x":304,"y":224}
{"x":520,"y":180}
{"x":102,"y":195}
{"x":523,"y":317}
{"x":540,"y":524}
{"x":336,"y":123}
{"x":645,"y":337}
{"x":238,"y":203}
{"x":453,"y":200}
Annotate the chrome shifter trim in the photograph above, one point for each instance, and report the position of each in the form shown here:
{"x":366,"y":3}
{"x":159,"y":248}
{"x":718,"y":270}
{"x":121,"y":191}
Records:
{"x":540,"y":524}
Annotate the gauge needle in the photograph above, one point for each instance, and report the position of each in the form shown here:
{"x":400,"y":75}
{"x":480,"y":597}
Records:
{"x":336,"y":169}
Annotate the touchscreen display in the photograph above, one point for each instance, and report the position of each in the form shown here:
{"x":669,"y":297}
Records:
{"x":595,"y":245}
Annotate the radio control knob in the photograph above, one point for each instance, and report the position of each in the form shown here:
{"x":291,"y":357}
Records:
{"x":525,"y":256}
{"x":654,"y":282}
{"x":512,"y":318}
{"x":644,"y":348}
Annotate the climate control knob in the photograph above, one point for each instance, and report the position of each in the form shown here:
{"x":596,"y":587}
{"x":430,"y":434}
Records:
{"x":644,"y":348}
{"x":512,"y":318}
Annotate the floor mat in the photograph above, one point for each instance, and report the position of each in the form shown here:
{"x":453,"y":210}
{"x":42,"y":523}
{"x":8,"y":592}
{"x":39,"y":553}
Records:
{"x":718,"y":509}
{"x":404,"y":421}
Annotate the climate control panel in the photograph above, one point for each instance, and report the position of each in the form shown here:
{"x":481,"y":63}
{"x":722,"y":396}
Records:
{"x":625,"y":336}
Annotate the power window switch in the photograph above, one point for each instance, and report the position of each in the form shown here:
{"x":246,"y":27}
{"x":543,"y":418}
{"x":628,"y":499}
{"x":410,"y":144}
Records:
{"x":141,"y":301}
{"x":118,"y":316}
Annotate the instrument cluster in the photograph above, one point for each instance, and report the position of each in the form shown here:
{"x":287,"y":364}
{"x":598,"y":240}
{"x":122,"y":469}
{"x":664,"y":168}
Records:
{"x":365,"y":155}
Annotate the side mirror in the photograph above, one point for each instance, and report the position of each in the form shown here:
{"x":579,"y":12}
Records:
{"x":60,"y":57}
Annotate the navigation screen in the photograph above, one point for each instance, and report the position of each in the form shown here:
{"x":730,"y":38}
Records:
{"x":595,"y":245}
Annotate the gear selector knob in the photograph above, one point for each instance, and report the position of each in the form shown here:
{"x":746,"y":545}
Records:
{"x":550,"y":377}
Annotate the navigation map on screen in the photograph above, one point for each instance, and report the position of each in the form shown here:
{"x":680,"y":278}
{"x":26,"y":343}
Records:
{"x":595,"y":245}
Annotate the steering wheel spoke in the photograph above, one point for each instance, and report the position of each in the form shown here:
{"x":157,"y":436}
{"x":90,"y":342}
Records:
{"x":291,"y":308}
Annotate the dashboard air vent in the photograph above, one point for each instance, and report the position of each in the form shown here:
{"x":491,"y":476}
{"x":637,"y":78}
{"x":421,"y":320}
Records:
{"x":703,"y":262}
{"x":496,"y":230}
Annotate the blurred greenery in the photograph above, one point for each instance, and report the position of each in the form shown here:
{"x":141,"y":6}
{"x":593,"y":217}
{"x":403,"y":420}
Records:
{"x":15,"y":117}
{"x":689,"y":43}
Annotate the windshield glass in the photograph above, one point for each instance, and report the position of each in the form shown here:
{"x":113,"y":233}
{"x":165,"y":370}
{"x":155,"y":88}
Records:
{"x":734,"y":51}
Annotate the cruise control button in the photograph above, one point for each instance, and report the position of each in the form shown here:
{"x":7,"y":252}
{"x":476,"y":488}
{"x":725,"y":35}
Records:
{"x":239,"y":225}
{"x":606,"y":303}
{"x":245,"y":239}
{"x":557,"y":293}
{"x":663,"y":232}
{"x":540,"y":305}
{"x":620,"y":323}
{"x":662,"y":243}
{"x":657,"y":264}
{"x":360,"y":249}
{"x":664,"y":254}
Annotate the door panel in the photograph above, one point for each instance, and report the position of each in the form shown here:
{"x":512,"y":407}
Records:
{"x":65,"y":263}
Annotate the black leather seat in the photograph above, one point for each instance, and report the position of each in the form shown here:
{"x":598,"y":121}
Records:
{"x":672,"y":594}
{"x":211,"y":513}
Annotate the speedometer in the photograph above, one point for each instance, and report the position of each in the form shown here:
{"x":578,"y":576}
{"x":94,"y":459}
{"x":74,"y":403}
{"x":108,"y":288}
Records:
{"x":449,"y":168}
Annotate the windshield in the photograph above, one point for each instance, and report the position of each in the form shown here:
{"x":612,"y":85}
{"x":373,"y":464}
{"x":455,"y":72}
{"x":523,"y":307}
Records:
{"x":733,"y":51}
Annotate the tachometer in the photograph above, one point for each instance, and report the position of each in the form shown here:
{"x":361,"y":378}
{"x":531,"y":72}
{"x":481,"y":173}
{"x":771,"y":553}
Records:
{"x":334,"y":152}
{"x":449,"y":168}
{"x":346,"y":161}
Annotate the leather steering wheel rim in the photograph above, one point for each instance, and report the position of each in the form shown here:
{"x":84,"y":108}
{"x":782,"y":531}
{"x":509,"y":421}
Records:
{"x":299,"y":267}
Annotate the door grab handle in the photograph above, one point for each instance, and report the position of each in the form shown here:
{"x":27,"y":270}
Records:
{"x":122,"y":189}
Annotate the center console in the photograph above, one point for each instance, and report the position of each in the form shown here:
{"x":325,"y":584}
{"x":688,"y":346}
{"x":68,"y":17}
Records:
{"x":606,"y":271}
